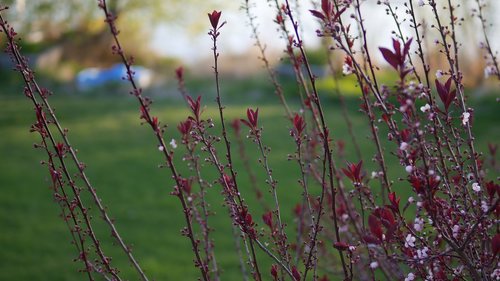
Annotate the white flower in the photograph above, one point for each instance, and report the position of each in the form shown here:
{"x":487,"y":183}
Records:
{"x":484,"y":206}
{"x":488,"y":71}
{"x":476,"y":187}
{"x":458,"y":270}
{"x":425,"y":108}
{"x":352,"y":248}
{"x":420,"y":3}
{"x":439,"y":73}
{"x":422,"y":254}
{"x":409,"y":169}
{"x":161,"y":148}
{"x":455,"y":230}
{"x":173,"y":144}
{"x":374,"y":265}
{"x":411,"y":199}
{"x":418,"y":225}
{"x":410,"y":241}
{"x":374,"y":174}
{"x":465,"y":118}
{"x":410,"y":277}
{"x":403,"y":146}
{"x":420,"y":204}
{"x":346,"y":69}
{"x":496,"y":274}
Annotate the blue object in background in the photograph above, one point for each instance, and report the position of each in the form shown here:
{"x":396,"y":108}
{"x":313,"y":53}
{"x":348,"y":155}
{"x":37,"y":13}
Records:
{"x":90,"y":78}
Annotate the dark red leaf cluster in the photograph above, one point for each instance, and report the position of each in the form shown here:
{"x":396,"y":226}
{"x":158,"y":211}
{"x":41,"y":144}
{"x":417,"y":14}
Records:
{"x":274,"y":272}
{"x":268,"y":219}
{"x":246,"y":223}
{"x":185,"y":129}
{"x":60,"y":149}
{"x":397,"y":59}
{"x":327,"y":13}
{"x":394,"y":202}
{"x":381,"y":218}
{"x":296,"y":273}
{"x":298,"y":127}
{"x":341,"y":246}
{"x":214,"y":18}
{"x":445,"y":93}
{"x":186,"y":185}
{"x":252,"y":116}
{"x":353,"y":172}
{"x":195,"y":106}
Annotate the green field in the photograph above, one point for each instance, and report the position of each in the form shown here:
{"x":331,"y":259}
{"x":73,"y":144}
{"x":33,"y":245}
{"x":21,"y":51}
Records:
{"x":123,"y":159}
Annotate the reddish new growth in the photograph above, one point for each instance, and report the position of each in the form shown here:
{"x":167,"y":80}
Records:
{"x":214,"y":19}
{"x":252,"y":119}
{"x":341,"y":246}
{"x":299,"y":126}
{"x":379,"y":219}
{"x":268,"y":219}
{"x":397,"y":59}
{"x":394,"y":202}
{"x":446,"y":95}
{"x":246,"y":223}
{"x":353,"y":172}
{"x":327,"y":13}
{"x":185,"y":129}
{"x":195,"y":106}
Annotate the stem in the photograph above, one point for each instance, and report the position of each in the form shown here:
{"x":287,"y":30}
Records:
{"x":325,"y":133}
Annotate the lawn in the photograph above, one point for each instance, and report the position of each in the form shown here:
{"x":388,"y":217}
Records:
{"x":123,"y":159}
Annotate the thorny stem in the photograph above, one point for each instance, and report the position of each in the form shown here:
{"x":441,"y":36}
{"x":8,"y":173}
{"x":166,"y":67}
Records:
{"x":203,"y":221}
{"x":457,"y":78}
{"x":276,"y":259}
{"x":426,"y":69}
{"x":29,"y":80}
{"x":214,"y":34}
{"x":110,"y":20}
{"x":372,"y":69}
{"x":282,"y":242}
{"x":248,"y":168}
{"x":76,"y":225}
{"x":325,"y":134}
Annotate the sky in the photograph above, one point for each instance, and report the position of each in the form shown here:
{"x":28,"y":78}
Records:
{"x":235,"y":38}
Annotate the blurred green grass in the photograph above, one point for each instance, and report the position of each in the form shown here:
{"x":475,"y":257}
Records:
{"x":123,"y":161}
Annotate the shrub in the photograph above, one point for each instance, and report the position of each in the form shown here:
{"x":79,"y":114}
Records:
{"x":356,"y":226}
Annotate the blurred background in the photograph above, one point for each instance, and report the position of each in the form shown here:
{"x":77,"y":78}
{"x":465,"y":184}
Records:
{"x":68,"y":44}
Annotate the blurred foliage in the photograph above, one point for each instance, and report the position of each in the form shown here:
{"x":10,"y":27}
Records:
{"x":66,"y":28}
{"x":50,"y":19}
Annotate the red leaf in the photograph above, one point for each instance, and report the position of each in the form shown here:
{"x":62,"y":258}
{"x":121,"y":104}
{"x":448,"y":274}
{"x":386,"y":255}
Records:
{"x":341,"y":246}
{"x":371,"y":239}
{"x":295,"y":273}
{"x":268,"y":219}
{"x":495,"y":244}
{"x":274,"y":271}
{"x":326,"y":6}
{"x":214,"y":18}
{"x":317,"y":14}
{"x":390,"y":57}
{"x":375,"y":226}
